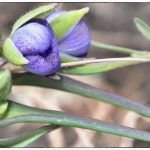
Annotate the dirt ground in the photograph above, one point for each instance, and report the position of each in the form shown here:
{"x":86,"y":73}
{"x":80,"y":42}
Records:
{"x":111,"y":23}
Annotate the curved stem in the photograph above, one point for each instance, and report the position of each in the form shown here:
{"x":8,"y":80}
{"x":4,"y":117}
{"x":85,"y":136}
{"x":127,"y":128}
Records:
{"x":123,"y":59}
{"x":27,"y":138}
{"x":73,"y":86}
{"x":81,"y":122}
{"x":18,"y":113}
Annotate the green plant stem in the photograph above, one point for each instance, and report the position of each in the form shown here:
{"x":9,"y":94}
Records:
{"x":32,"y":115}
{"x":85,"y":62}
{"x":95,"y":66}
{"x":70,"y":85}
{"x":27,"y":138}
{"x":118,"y":49}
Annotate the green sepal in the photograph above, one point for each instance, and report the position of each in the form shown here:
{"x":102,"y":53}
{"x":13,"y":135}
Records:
{"x":3,"y":108}
{"x":5,"y":84}
{"x":62,"y":23}
{"x":35,"y":13}
{"x":12,"y":54}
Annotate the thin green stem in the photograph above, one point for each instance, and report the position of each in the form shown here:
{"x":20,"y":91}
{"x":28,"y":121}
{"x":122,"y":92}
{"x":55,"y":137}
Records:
{"x":32,"y":115}
{"x":123,"y":59}
{"x":27,"y":138}
{"x":117,"y":48}
{"x":73,"y":86}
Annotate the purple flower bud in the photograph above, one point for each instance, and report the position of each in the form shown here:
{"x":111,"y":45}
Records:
{"x":37,"y":42}
{"x":76,"y":41}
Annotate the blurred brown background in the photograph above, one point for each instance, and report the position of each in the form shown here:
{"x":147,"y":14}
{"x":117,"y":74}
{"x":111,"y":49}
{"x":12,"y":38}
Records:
{"x":111,"y":23}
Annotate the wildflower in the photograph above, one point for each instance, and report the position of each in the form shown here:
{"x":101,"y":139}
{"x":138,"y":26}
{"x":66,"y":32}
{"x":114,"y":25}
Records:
{"x":38,"y":44}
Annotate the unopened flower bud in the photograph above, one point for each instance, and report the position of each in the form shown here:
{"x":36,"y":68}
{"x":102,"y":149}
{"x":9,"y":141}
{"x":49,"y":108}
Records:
{"x":37,"y":42}
{"x":76,"y":41}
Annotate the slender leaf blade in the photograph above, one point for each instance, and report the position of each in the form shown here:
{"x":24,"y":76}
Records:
{"x":142,"y":27}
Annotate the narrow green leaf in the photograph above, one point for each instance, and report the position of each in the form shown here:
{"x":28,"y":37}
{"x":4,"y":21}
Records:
{"x":62,"y":23}
{"x":27,"y":138}
{"x":32,"y":14}
{"x":12,"y":54}
{"x":5,"y":84}
{"x":95,"y":68}
{"x":73,"y":86}
{"x":64,"y":119}
{"x":142,"y":27}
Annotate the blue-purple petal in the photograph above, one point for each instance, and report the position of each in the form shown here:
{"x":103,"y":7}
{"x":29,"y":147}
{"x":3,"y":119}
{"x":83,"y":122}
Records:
{"x":29,"y":43}
{"x":77,"y":42}
{"x":37,"y":42}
